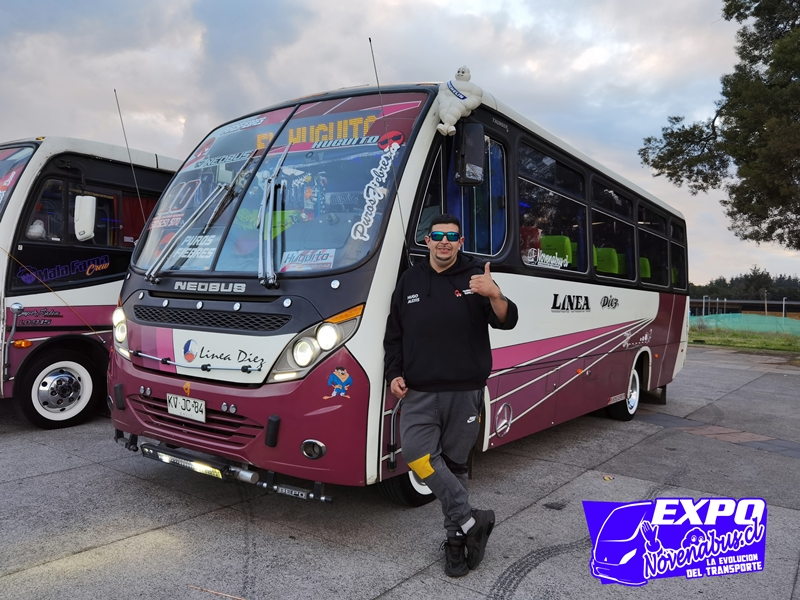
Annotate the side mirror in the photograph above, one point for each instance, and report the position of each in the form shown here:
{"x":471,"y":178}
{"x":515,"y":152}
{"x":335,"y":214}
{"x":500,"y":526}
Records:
{"x":469,"y":154}
{"x":85,"y":208}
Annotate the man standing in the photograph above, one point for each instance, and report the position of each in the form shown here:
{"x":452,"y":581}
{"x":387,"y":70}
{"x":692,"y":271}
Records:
{"x":438,"y":359}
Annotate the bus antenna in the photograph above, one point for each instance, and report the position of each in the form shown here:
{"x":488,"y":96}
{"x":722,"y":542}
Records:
{"x":125,"y":135}
{"x":394,"y":174}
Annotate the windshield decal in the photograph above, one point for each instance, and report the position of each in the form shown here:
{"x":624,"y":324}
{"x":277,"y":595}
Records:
{"x":196,"y":246}
{"x":307,"y":260}
{"x":373,"y":139}
{"x":201,"y":152}
{"x":375,"y":191}
{"x":173,"y":205}
{"x":347,"y":132}
{"x":220,"y":160}
{"x":251,"y":122}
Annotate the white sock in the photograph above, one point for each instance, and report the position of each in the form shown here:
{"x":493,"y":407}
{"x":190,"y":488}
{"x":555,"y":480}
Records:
{"x":468,"y":525}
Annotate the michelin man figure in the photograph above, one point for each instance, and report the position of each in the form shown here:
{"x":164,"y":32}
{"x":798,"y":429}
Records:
{"x":457,"y":98}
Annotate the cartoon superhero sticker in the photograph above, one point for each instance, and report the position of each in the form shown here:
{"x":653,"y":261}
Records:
{"x":340,"y":381}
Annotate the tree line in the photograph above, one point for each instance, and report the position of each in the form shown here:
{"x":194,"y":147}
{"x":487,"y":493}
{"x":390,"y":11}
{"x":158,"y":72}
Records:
{"x":750,"y":286}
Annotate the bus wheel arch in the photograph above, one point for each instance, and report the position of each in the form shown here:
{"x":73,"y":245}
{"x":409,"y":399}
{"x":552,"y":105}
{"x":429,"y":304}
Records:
{"x":625,"y":410}
{"x":62,"y":383}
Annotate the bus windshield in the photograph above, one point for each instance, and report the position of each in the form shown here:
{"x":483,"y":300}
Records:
{"x":330,"y":188}
{"x":12,"y":162}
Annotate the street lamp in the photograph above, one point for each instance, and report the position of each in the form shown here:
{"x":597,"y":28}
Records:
{"x":704,"y":305}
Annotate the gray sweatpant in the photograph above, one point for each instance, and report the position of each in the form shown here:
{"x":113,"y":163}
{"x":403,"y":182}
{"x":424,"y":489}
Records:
{"x":437,"y":431}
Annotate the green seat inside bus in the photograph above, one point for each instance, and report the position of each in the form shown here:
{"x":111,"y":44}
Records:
{"x":622,"y":264}
{"x":607,"y":261}
{"x":644,"y":267}
{"x":557,"y":245}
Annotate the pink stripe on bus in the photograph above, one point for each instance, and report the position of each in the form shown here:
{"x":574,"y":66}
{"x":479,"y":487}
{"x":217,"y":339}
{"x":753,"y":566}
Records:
{"x":510,"y":356}
{"x":165,"y":348}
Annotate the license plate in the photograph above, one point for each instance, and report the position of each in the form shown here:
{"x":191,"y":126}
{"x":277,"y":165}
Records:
{"x":188,"y":408}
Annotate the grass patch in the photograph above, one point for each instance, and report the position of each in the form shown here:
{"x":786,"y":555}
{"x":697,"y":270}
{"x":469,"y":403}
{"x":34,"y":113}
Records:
{"x":752,"y":340}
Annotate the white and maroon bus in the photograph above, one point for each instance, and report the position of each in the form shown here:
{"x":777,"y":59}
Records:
{"x":248,"y":341}
{"x":69,"y":218}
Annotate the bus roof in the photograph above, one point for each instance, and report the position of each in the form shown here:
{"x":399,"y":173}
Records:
{"x":491,"y":102}
{"x":56,"y":145}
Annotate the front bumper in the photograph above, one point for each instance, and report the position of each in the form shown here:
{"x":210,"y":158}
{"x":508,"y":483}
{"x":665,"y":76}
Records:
{"x":308,"y":410}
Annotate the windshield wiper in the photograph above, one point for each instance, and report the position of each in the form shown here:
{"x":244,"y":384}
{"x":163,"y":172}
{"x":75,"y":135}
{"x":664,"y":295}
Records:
{"x":226,"y":200}
{"x":266,"y":275}
{"x":152,"y":273}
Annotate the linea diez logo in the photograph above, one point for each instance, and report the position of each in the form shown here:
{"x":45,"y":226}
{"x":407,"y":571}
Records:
{"x":635,"y":542}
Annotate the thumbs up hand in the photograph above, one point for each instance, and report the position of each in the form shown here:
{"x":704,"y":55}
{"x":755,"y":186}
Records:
{"x":484,"y":285}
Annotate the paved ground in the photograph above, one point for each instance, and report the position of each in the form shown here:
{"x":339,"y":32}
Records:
{"x":82,"y":518}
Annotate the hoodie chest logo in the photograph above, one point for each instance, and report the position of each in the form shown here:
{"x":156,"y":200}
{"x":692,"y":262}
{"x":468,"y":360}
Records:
{"x":460,"y":293}
{"x":412,"y":298}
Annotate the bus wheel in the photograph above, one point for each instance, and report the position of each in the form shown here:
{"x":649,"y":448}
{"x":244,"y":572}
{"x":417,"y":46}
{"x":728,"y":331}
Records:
{"x":406,"y":489}
{"x":59,"y":389}
{"x":624,"y":410}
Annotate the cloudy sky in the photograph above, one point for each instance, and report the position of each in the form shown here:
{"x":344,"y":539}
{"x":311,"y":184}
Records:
{"x":601,"y":74}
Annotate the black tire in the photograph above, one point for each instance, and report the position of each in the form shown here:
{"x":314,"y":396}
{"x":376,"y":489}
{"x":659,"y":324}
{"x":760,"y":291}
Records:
{"x":402,"y":490}
{"x":61,"y":388}
{"x":625,"y":410}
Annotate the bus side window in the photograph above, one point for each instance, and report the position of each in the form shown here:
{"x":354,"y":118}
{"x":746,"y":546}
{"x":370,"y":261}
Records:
{"x":678,"y":269}
{"x":654,"y":249}
{"x":482,"y":209}
{"x":46,"y":222}
{"x":552,"y":230}
{"x":613,"y":246}
{"x":677,"y":256}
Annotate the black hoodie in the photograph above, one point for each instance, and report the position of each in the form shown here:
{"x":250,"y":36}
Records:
{"x":437,"y":335}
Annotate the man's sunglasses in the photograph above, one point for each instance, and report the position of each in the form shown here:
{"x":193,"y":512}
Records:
{"x":438,"y":236}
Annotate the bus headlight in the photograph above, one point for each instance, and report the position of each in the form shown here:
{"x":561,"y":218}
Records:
{"x":120,"y":323}
{"x":328,"y":336}
{"x":314,"y":344}
{"x":304,"y":351}
{"x":121,"y":332}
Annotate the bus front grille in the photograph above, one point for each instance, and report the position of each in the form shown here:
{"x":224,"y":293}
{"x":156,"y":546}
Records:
{"x":220,"y":427}
{"x":211,"y":319}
